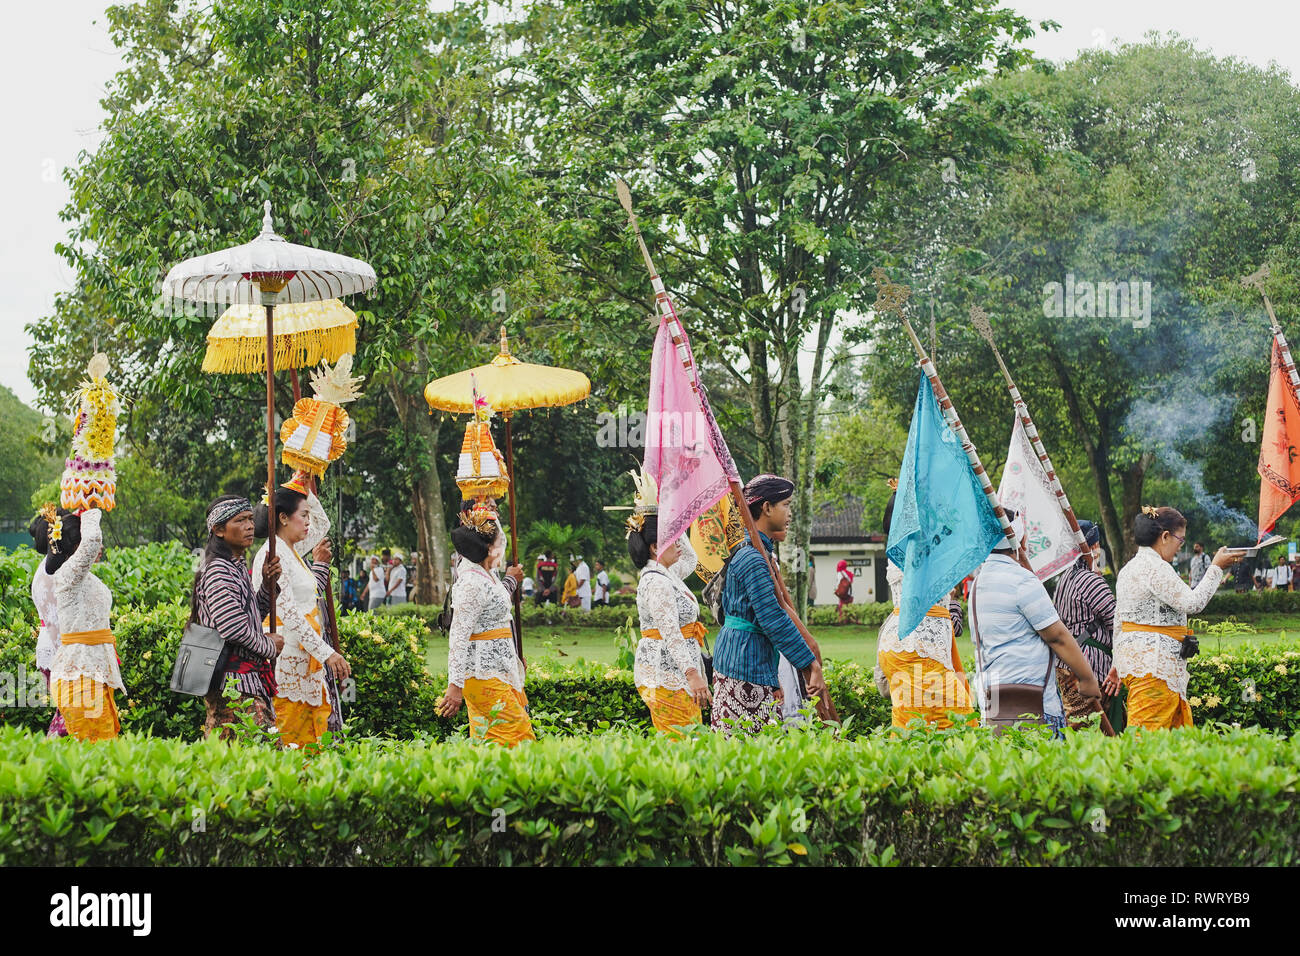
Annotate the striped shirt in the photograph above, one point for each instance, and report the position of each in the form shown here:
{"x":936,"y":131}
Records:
{"x":1009,"y":608}
{"x":227,"y":605}
{"x":749,"y":594}
{"x":1087,"y":609}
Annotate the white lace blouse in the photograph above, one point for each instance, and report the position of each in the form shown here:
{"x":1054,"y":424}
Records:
{"x":1149,"y":591}
{"x":932,"y":638}
{"x":664,"y":604}
{"x":296,"y":600}
{"x":481,"y":603}
{"x":84,"y":604}
{"x":47,"y":639}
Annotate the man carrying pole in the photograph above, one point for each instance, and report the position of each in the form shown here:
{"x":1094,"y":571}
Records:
{"x":746,"y":688}
{"x":688,"y":457}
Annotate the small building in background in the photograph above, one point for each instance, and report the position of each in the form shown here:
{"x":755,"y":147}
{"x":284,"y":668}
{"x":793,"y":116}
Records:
{"x":837,"y":534}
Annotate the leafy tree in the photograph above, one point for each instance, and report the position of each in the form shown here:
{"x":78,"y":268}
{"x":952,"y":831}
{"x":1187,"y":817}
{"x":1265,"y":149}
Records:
{"x":372,"y":124}
{"x":26,"y":457}
{"x":1161,"y":164}
{"x":763,"y":141}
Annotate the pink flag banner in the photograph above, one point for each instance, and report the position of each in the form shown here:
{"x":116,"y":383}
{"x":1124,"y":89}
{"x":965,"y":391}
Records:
{"x":681,"y":439}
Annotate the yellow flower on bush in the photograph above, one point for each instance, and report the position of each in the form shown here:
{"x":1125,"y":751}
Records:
{"x":1280,"y":668}
{"x":1223,"y":668}
{"x":1214,"y":700}
{"x":612,"y":674}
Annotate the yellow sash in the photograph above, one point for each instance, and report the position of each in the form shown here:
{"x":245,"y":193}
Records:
{"x":497,"y":633}
{"x":313,"y":619}
{"x":937,"y":611}
{"x":104,"y":636}
{"x":1176,"y":631}
{"x":695,"y":631}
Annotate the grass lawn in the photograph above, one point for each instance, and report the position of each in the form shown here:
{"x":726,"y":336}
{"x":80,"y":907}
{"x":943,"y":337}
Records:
{"x":847,"y":643}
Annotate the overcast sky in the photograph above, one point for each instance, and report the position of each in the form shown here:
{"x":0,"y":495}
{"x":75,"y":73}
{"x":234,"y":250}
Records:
{"x":54,"y":76}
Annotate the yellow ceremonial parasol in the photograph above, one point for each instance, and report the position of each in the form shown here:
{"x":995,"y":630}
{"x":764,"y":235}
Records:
{"x":306,"y":334}
{"x":509,"y":385}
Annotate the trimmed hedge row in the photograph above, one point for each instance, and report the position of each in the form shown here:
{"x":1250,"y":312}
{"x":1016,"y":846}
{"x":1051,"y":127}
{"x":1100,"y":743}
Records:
{"x":1200,"y":797}
{"x":608,"y":618}
{"x":394,"y":696}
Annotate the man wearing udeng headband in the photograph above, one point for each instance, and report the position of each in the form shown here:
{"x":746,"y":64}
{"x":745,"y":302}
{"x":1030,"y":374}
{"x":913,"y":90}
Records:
{"x":746,"y":688}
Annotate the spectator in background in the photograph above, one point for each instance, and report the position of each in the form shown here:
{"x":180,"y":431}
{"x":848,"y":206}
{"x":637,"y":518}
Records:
{"x":373,"y":592}
{"x":350,"y":596}
{"x":583,"y":574}
{"x":1200,"y":563}
{"x":528,"y":587}
{"x":569,"y":597}
{"x":812,"y":580}
{"x":1279,"y":577}
{"x":547,"y":567}
{"x":602,"y":585}
{"x":397,"y":581}
{"x":843,"y":587}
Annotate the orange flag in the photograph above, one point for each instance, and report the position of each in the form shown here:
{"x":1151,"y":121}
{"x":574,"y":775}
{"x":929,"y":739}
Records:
{"x":1279,"y":454}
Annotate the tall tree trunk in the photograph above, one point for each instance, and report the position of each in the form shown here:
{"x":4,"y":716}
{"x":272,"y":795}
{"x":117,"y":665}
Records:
{"x":1131,"y":482}
{"x":1098,"y":454}
{"x":803,"y":494}
{"x":433,"y":567}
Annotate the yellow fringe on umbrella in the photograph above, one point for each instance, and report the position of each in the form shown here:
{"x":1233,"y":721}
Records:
{"x":292,"y":350}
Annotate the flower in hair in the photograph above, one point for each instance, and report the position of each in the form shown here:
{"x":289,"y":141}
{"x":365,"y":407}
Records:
{"x":893,"y":484}
{"x":1150,"y":512}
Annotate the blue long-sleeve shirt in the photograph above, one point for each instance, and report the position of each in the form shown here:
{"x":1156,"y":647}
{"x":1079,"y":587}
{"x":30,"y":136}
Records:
{"x":750,"y":595}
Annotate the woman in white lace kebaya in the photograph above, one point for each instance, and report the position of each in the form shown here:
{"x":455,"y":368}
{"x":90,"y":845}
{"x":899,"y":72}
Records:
{"x":921,"y":672}
{"x":84,"y":671}
{"x":302,"y":706}
{"x":1152,"y":640}
{"x":669,"y":668}
{"x":47,"y":608}
{"x":484,"y":669}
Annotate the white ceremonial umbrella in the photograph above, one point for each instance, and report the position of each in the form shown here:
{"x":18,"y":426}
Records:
{"x":271,"y":272}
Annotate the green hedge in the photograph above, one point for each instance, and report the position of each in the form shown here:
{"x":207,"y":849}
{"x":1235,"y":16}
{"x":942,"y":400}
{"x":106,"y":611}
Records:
{"x":1200,"y":797}
{"x":147,"y":575}
{"x":548,"y":615}
{"x":1251,"y":604}
{"x":394,"y":696}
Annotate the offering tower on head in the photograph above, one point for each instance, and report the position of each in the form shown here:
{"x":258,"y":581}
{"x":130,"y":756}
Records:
{"x":89,"y":480}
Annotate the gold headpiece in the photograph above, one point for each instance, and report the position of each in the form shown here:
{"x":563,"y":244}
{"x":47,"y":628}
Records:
{"x":49,"y":511}
{"x":56,"y":532}
{"x":482,"y":517}
{"x":646,"y":501}
{"x":1150,"y":512}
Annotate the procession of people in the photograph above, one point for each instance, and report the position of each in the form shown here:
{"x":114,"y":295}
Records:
{"x":1073,"y":659}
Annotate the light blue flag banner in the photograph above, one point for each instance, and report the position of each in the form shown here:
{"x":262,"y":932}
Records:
{"x":943,"y":526}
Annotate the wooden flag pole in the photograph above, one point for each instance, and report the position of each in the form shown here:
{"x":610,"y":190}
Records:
{"x":892,"y":298}
{"x":825,"y":707}
{"x":1256,"y":281}
{"x":979,"y":318}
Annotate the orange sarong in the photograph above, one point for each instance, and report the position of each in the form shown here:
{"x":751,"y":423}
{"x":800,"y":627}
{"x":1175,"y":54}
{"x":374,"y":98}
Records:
{"x":301,"y":725}
{"x":922,"y":687}
{"x":88,"y":708}
{"x":1154,"y":705}
{"x":670,"y":710}
{"x":510,"y":724}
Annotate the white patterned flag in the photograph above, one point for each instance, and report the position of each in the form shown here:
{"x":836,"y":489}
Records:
{"x":1025,"y":487}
